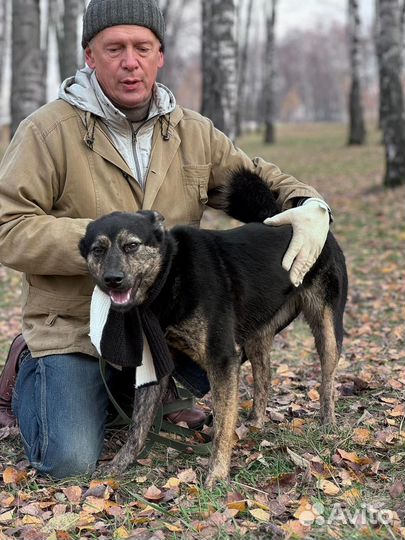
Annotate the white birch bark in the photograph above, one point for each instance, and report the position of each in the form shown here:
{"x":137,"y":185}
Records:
{"x":391,"y":94}
{"x":219,"y":64}
{"x":28,"y":80}
{"x":269,"y":70}
{"x":357,"y":131}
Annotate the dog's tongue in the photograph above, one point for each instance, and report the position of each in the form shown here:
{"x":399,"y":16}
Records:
{"x":120,"y":297}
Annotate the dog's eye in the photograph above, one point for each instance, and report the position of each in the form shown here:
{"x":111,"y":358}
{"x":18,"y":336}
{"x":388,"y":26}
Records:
{"x":131,"y":247}
{"x":98,"y":251}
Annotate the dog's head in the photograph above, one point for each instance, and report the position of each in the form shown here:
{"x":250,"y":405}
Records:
{"x":124,"y":254}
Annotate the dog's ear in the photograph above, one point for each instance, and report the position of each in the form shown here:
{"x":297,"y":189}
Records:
{"x":83,"y":247}
{"x":158,"y":222}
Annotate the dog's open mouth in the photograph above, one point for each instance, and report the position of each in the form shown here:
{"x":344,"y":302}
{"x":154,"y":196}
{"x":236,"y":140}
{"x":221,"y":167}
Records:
{"x":121,"y":298}
{"x":124,"y":298}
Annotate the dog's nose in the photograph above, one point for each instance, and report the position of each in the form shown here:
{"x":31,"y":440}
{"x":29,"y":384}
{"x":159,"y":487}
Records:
{"x":114,"y":279}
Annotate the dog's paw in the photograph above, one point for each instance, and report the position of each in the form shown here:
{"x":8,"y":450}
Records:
{"x":254,"y":422}
{"x":107,"y":470}
{"x":215,"y":477}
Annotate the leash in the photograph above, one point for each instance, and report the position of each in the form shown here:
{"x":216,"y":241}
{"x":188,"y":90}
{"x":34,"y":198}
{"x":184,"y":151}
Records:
{"x":159,"y":425}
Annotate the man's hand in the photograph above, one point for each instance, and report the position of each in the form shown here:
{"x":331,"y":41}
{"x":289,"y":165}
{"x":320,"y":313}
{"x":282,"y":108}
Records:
{"x":310,"y":223}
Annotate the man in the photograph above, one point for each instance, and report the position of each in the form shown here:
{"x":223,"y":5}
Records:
{"x":114,"y":140}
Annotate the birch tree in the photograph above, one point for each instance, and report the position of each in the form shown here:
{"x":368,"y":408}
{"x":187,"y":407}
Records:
{"x":357,"y":131}
{"x":68,"y":37}
{"x":219,"y":64}
{"x":269,"y":93}
{"x":242,"y":67}
{"x":391,"y":94}
{"x":28,"y":61}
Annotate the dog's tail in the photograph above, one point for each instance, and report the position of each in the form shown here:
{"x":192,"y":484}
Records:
{"x":247,"y":197}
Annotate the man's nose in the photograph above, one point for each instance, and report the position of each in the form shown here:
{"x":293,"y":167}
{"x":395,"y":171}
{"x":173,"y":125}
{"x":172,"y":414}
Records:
{"x":130,"y":60}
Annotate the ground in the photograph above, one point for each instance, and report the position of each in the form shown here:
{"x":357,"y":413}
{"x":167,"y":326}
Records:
{"x":293,"y":479}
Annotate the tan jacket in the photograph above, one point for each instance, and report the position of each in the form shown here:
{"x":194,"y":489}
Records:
{"x":57,"y":175}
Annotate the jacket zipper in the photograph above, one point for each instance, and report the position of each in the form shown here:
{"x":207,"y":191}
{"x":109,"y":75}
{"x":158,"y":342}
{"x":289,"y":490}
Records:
{"x":135,"y":132}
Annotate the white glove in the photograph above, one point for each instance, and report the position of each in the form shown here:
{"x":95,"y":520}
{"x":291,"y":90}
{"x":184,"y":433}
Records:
{"x":310,"y":223}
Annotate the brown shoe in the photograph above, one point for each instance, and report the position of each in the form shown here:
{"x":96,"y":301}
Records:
{"x":7,"y":381}
{"x":194,"y":418}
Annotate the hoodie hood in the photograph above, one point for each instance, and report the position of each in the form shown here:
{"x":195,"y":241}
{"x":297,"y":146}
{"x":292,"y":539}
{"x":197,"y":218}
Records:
{"x":84,"y":92}
{"x":133,"y":140}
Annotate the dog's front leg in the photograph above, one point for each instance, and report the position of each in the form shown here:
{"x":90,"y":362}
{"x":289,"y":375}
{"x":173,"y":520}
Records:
{"x":146,"y":404}
{"x":224,"y":382}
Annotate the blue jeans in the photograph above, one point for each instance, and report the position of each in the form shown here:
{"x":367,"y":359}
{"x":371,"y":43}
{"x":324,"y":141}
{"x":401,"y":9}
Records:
{"x":61,"y":405}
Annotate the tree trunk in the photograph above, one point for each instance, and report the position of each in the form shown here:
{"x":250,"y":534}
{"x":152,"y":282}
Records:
{"x":65,"y":16}
{"x":357,"y":132}
{"x":242,"y":70}
{"x":391,"y":94}
{"x":269,"y":94}
{"x":28,"y":83}
{"x":219,"y":95}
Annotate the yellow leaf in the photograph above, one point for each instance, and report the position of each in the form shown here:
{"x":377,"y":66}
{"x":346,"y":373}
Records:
{"x":313,"y":395}
{"x":6,"y":516}
{"x":172,"y":527}
{"x":141,"y":479}
{"x":361,"y":435}
{"x":399,"y":410}
{"x":260,"y":514}
{"x":93,"y":505}
{"x":295,"y":529}
{"x":12,"y":476}
{"x":349,"y":456}
{"x":172,"y":483}
{"x":351,"y":496}
{"x":329,"y":488}
{"x":120,"y":533}
{"x":32,"y":520}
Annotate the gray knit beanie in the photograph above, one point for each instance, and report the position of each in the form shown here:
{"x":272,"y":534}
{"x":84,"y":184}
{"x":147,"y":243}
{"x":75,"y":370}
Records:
{"x":102,"y":14}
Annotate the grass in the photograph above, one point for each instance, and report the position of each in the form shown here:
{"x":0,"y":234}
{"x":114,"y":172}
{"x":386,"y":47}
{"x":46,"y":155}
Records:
{"x":370,"y":383}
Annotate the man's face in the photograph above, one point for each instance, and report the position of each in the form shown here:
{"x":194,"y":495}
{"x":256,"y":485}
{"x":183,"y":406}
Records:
{"x":126,"y":59}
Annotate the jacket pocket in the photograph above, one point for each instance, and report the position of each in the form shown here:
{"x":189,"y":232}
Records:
{"x":53,"y":322}
{"x":195,"y":182}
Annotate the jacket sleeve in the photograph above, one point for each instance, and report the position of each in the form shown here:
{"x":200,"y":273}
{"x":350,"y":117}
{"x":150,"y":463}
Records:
{"x":32,"y":240}
{"x":226,"y":157}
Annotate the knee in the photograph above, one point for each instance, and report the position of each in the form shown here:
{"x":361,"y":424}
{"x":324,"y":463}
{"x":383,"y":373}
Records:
{"x":70,"y":459}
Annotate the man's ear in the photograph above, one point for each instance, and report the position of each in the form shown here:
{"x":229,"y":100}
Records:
{"x":89,"y":57}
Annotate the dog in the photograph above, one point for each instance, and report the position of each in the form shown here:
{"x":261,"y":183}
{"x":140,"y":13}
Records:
{"x":225,"y":295}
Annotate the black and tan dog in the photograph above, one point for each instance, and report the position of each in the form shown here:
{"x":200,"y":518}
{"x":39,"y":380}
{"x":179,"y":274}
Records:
{"x":224,"y":293}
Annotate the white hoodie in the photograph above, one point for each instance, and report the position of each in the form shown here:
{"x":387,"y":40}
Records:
{"x":133,"y":140}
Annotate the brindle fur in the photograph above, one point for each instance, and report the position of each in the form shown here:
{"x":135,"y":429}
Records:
{"x":225,"y":293}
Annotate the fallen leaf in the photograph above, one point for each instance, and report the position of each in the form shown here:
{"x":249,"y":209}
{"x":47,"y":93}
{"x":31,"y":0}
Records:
{"x":259,"y":514}
{"x":313,"y":394}
{"x":328,"y":487}
{"x":173,"y":527}
{"x":398,"y":410}
{"x":361,"y":435}
{"x":94,"y":505}
{"x":188,"y":476}
{"x":73,"y":494}
{"x":236,"y":501}
{"x":153,"y":494}
{"x":172,"y":483}
{"x":349,"y":456}
{"x":298,"y":460}
{"x":11,"y":475}
{"x":64,"y":522}
{"x":6,"y":516}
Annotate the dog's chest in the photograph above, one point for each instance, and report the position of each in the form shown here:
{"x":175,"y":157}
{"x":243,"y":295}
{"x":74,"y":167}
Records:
{"x":191,"y":337}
